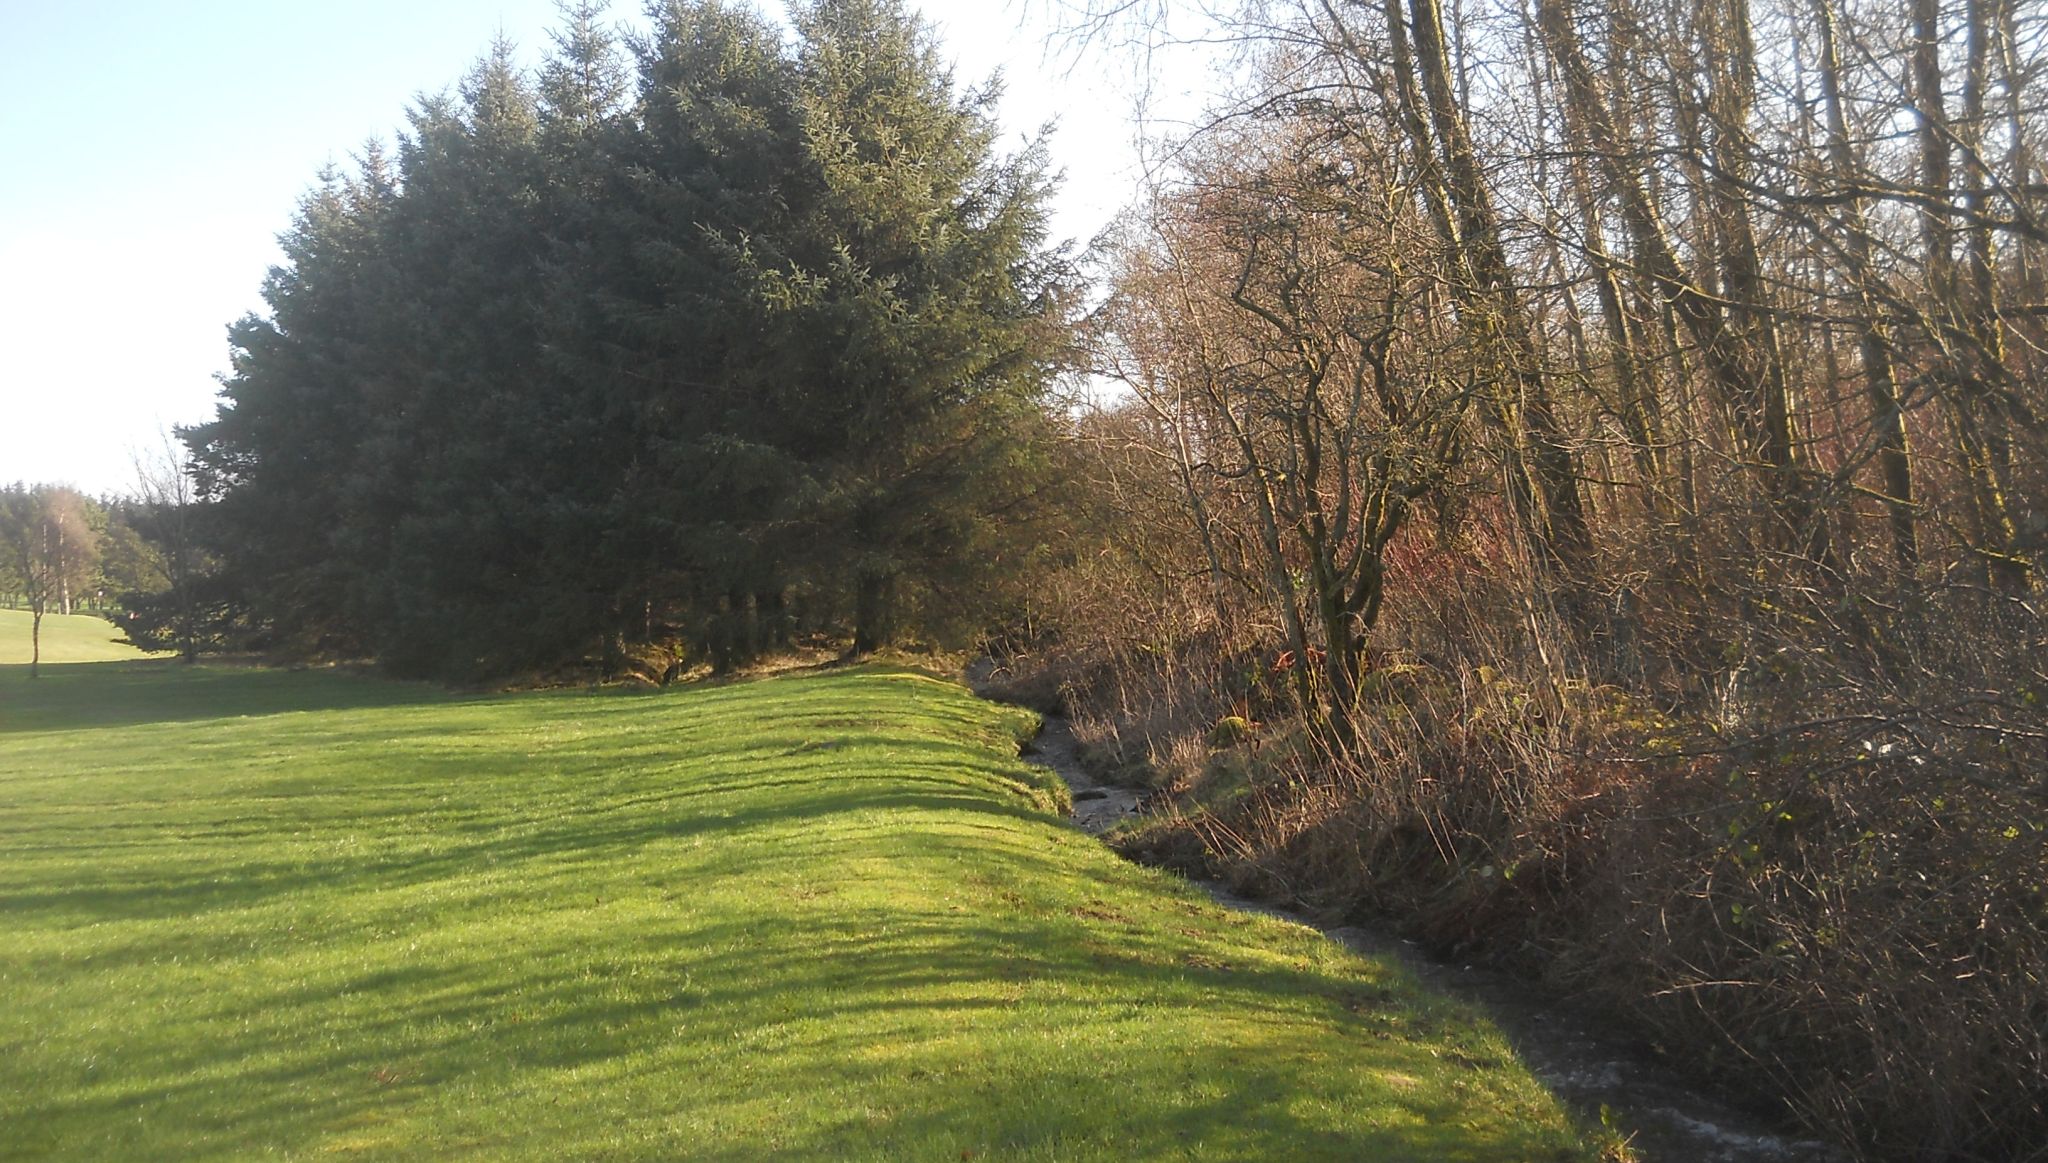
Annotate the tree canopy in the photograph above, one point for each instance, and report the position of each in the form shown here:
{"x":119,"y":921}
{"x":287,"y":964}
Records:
{"x":698,"y":338}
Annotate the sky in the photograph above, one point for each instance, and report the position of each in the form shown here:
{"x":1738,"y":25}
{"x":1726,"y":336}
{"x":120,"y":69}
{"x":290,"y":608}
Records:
{"x":151,"y":152}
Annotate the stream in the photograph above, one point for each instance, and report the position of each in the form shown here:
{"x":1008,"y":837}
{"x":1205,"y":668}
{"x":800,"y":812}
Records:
{"x":1588,"y":1061}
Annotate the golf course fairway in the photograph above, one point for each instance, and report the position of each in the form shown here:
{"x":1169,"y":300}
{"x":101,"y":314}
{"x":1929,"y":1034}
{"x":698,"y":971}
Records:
{"x":306,"y":914}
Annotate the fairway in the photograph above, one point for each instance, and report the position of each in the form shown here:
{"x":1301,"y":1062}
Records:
{"x":66,"y":638}
{"x":304,"y":914}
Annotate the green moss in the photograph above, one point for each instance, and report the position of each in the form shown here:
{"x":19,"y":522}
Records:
{"x":1229,"y":731}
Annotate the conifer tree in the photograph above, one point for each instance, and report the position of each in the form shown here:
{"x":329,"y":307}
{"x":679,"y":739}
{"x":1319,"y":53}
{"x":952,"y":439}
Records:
{"x":924,"y":320}
{"x":288,"y":434}
{"x":583,"y":365}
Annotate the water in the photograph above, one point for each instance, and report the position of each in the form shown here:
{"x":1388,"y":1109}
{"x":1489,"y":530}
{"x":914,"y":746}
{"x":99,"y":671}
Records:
{"x":1590,"y":1063}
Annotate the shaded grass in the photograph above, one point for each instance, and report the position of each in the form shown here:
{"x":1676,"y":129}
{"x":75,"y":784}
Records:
{"x":66,"y":638}
{"x":249,"y":912}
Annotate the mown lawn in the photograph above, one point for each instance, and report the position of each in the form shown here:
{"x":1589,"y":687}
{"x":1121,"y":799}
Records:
{"x":66,"y":638}
{"x":259,"y":913}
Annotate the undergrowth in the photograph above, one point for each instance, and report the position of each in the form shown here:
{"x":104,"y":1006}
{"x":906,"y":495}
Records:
{"x":1814,"y":856}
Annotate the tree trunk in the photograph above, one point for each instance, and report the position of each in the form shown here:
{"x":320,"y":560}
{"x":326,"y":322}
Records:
{"x":1956,"y":310}
{"x":1176,"y":422}
{"x":1933,"y":137}
{"x":1874,"y":344}
{"x":2019,"y":158}
{"x":874,"y":614}
{"x":771,"y":614}
{"x":1750,"y":313}
{"x":2008,"y":569}
{"x":1633,"y":384}
{"x":1543,"y":472}
{"x":1745,"y":368}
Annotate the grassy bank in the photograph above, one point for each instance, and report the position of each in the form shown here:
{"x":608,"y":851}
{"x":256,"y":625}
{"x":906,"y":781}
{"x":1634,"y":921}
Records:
{"x":1842,"y":916}
{"x":823,"y":917}
{"x":66,"y":638}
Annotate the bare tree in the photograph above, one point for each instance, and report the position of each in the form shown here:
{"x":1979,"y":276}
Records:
{"x":1874,"y":340}
{"x":165,"y":516}
{"x":48,"y":551}
{"x":1284,"y":331}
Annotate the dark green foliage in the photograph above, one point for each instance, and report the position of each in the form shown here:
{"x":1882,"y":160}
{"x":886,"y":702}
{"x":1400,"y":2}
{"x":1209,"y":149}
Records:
{"x":704,"y":346}
{"x":168,"y":592}
{"x":202,"y":616}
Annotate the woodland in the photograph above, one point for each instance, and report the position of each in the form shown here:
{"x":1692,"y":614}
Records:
{"x":1570,"y":478}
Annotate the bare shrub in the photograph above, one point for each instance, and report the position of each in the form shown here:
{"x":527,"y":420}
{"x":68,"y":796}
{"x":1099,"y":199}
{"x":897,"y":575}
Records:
{"x":1824,"y":876}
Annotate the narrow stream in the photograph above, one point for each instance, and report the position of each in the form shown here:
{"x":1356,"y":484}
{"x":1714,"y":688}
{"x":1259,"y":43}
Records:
{"x":1588,"y":1062}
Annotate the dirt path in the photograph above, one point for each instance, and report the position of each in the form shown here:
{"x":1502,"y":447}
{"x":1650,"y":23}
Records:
{"x":1589,"y":1063}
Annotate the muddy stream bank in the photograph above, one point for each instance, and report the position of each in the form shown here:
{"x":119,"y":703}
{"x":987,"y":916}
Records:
{"x":1589,"y":1062}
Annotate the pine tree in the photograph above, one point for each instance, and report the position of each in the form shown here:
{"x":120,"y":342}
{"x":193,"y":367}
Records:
{"x":927,"y":314}
{"x":576,"y":369}
{"x":288,"y":436}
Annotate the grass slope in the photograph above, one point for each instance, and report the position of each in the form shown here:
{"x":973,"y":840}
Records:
{"x":66,"y":638}
{"x":306,"y":914}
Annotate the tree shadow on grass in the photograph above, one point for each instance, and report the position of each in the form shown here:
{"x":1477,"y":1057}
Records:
{"x":72,"y":696}
{"x":85,"y":695}
{"x":129,"y":885}
{"x":918,"y":970}
{"x":893,"y":1031}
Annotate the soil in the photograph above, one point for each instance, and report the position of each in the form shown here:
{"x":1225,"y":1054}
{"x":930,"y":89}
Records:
{"x":1590,"y":1063}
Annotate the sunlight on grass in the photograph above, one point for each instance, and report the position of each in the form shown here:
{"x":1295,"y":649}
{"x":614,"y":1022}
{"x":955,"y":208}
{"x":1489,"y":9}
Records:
{"x":66,"y":638}
{"x":830,"y":916}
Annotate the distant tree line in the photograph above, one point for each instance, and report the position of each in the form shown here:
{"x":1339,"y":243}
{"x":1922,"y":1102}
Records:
{"x":137,"y":558}
{"x":49,"y":553}
{"x":700,"y":339}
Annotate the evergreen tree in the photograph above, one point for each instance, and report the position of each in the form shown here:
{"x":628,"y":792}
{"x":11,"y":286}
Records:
{"x":582,"y":366}
{"x":923,"y":327}
{"x":285,"y":450}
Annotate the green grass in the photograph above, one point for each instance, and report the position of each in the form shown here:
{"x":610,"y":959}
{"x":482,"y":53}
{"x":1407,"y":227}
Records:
{"x":300,"y":914}
{"x":66,"y":638}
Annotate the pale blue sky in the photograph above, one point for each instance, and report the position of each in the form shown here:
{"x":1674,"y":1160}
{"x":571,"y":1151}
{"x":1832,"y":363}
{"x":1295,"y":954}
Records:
{"x":151,"y":152}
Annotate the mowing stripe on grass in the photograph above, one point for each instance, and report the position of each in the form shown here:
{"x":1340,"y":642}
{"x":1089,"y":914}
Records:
{"x":304,"y":914}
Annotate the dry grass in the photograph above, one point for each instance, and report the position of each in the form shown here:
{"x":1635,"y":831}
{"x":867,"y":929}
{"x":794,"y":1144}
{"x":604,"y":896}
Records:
{"x":1810,"y":847}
